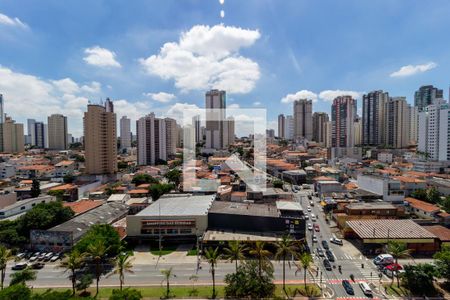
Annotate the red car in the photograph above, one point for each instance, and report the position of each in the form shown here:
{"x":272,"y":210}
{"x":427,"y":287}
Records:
{"x":316,"y":227}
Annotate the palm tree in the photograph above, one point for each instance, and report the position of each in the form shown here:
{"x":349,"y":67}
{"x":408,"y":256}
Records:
{"x":212,"y":256}
{"x":72,"y":262}
{"x":234,"y":252}
{"x":167,"y":274}
{"x":5,"y":255}
{"x":397,"y":250}
{"x":261,"y":254}
{"x":21,"y":277}
{"x":122,"y":265}
{"x":285,"y":247}
{"x":305,"y":261}
{"x":97,"y":250}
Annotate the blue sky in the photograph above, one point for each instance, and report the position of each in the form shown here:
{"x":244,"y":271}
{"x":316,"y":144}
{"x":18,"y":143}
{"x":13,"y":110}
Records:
{"x":55,"y":55}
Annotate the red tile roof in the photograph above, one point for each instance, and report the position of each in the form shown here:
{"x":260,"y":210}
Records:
{"x":422,"y":205}
{"x":441,"y":232}
{"x":83,"y":206}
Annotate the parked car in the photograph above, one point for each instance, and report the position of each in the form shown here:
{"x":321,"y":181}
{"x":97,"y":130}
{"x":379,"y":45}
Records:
{"x":20,"y":255}
{"x":327,"y":264}
{"x":336,"y":241}
{"x":348,"y":287}
{"x":320,"y":252}
{"x":308,"y":208}
{"x":313,"y":217}
{"x":383,"y":259}
{"x":325,"y":245}
{"x":54,"y":258}
{"x":329,"y":255}
{"x":33,"y":258}
{"x":311,"y":203}
{"x":306,"y":217}
{"x":19,"y":266}
{"x":366,"y":289}
{"x":37,"y":265}
{"x":310,"y":227}
{"x":393,"y":269}
{"x":314,"y":239}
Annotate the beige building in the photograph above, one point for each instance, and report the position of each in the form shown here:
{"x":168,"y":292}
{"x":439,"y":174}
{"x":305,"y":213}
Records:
{"x":397,"y":122}
{"x":13,"y":138}
{"x":357,"y":128}
{"x":100,"y":139}
{"x":319,"y":120}
{"x":171,"y":136}
{"x":57,"y":132}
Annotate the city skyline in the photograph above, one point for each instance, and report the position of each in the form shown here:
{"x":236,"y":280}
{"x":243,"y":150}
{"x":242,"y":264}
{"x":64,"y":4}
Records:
{"x":130,"y":61}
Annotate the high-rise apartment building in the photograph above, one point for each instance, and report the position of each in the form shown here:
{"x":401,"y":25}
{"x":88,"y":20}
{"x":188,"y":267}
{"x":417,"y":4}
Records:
{"x":30,"y":131}
{"x":230,"y":128}
{"x":413,"y":124}
{"x":328,"y":131}
{"x":100,"y":139}
{"x":216,"y":127}
{"x":319,"y":120}
{"x":289,"y":128}
{"x":13,"y":137}
{"x":156,"y":139}
{"x":343,"y":113}
{"x":433,"y":131}
{"x":281,"y":126}
{"x":397,"y":123}
{"x":2,"y":120}
{"x":427,"y":95}
{"x":197,"y":129}
{"x":373,"y":123}
{"x":303,"y":119}
{"x":171,"y":136}
{"x":39,"y":135}
{"x":125,"y":133}
{"x":357,"y":129}
{"x":57,"y":132}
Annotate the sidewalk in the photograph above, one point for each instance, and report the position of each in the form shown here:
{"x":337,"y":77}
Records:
{"x":143,"y":256}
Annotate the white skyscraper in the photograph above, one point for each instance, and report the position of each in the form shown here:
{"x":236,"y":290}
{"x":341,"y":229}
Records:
{"x":433,"y":130}
{"x":125,"y":133}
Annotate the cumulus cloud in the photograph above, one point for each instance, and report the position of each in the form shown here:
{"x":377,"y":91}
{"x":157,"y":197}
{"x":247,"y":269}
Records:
{"x":233,"y":106}
{"x":413,"y":69}
{"x":303,"y":94}
{"x":329,"y":95}
{"x":207,"y":57}
{"x":13,"y":22}
{"x":178,"y":110}
{"x":22,"y":91}
{"x":101,"y":57}
{"x":257,"y":103}
{"x":161,"y":96}
{"x":67,"y":85}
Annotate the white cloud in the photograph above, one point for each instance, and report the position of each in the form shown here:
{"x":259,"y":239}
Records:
{"x":413,"y":69}
{"x":257,"y":103}
{"x":161,"y":96}
{"x":177,"y":110}
{"x":207,"y":57}
{"x":233,"y":106}
{"x":329,"y":95}
{"x":14,"y":22}
{"x":101,"y":57}
{"x":303,"y":94}
{"x":23,"y":91}
{"x":67,"y":85}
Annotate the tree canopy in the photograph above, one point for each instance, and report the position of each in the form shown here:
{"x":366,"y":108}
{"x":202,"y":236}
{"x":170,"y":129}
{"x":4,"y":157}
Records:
{"x":100,"y":232}
{"x":157,"y":190}
{"x":143,"y":178}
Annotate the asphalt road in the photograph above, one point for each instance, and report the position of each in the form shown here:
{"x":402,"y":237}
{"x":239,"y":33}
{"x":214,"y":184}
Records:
{"x":348,"y":263}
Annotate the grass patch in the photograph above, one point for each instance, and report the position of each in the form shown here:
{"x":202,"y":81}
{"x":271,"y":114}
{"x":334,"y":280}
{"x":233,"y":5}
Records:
{"x":164,"y":251}
{"x":203,"y":291}
{"x":394,"y":290}
{"x":192,"y":252}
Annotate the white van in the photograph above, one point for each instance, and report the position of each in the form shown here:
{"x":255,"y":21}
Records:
{"x":383,"y":259}
{"x":366,"y":289}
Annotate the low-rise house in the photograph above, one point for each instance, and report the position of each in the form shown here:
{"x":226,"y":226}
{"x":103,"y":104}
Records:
{"x":120,"y":198}
{"x":35,"y":171}
{"x":442,"y":233}
{"x":7,"y":170}
{"x":410,"y":184}
{"x":421,"y":208}
{"x":21,"y":207}
{"x":65,"y":167}
{"x":296,"y":177}
{"x":389,"y":188}
{"x":69,"y":191}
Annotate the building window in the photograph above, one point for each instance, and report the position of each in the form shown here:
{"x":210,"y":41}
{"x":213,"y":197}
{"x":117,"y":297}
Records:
{"x":22,"y":208}
{"x":185,"y":231}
